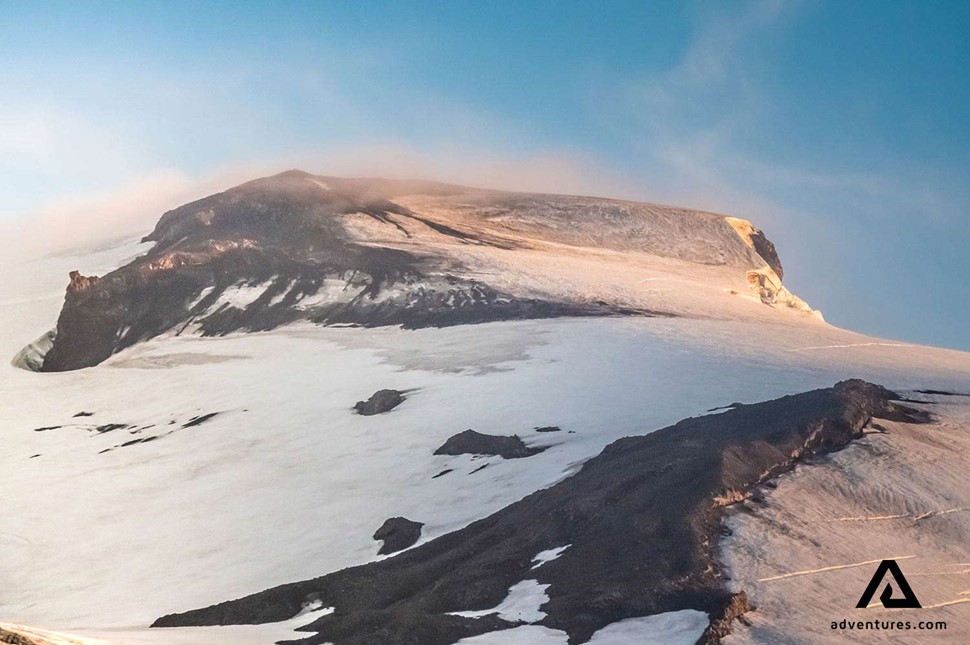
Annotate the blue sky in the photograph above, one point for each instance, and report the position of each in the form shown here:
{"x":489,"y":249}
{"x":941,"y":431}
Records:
{"x":841,"y":128}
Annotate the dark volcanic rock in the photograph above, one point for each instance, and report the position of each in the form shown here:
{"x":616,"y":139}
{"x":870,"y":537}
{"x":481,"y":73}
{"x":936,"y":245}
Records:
{"x":470,"y":442}
{"x":721,"y":622}
{"x":730,"y":406}
{"x":398,"y":533}
{"x":766,"y":249}
{"x":111,"y":427}
{"x":643,"y":519}
{"x":199,"y":420}
{"x":380,"y":401}
{"x":548,"y":429}
{"x":10,"y":638}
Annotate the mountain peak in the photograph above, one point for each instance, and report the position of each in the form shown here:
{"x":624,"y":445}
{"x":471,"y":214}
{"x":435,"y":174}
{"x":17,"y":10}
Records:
{"x":297,"y":246}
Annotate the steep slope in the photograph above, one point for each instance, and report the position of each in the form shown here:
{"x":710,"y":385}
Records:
{"x":636,"y":528}
{"x":808,"y":551}
{"x":376,"y":252}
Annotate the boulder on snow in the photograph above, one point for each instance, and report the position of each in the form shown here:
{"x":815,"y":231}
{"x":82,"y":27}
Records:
{"x":398,"y":533}
{"x":380,"y":401}
{"x":470,"y":442}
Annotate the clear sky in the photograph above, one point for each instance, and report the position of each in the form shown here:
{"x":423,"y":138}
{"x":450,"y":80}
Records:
{"x":840,"y":128}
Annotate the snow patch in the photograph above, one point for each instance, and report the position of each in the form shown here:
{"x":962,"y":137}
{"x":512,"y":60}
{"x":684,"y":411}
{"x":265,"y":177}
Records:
{"x":278,"y":298}
{"x":524,"y":635}
{"x":202,"y":296}
{"x":241,"y":296}
{"x":522,"y":605}
{"x":331,"y":290}
{"x":671,"y":628}
{"x":548,"y":555}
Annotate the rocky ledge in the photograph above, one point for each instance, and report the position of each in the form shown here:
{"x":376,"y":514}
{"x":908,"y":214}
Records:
{"x":643,"y":521}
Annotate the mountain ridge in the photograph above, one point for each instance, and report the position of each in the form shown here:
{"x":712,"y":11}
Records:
{"x":374,"y":252}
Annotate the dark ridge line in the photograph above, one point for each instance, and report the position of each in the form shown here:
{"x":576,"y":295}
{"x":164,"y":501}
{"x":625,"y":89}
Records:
{"x":644,"y":518}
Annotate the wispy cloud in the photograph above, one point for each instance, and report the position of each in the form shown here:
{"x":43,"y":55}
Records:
{"x":131,"y":208}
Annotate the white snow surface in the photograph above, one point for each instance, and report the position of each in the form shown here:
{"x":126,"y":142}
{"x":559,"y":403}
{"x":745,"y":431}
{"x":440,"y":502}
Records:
{"x":805,"y":558}
{"x":240,"y":296}
{"x":228,"y":635}
{"x":286,"y":482}
{"x":522,"y":605}
{"x":524,"y":635}
{"x":548,"y":555}
{"x":671,"y":628}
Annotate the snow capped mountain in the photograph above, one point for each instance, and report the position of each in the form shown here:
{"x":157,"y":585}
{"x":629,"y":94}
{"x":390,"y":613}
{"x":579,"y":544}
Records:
{"x":213,"y":448}
{"x":371,"y":252}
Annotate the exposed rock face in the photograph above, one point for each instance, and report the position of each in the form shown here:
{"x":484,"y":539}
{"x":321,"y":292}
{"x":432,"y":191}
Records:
{"x":470,"y":442}
{"x":736,"y":607}
{"x":398,"y":533}
{"x":10,"y":638}
{"x":380,"y":401}
{"x":643,"y":520}
{"x":80,"y":283}
{"x":766,"y":283}
{"x":756,"y":239}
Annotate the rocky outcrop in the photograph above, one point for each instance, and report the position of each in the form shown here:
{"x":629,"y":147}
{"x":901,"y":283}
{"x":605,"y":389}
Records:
{"x":470,"y":442}
{"x":643,"y":521}
{"x":766,"y":283}
{"x":734,"y":609}
{"x":12,"y":638}
{"x":397,"y":533}
{"x":379,"y":402}
{"x":79,"y":283}
{"x":756,"y":239}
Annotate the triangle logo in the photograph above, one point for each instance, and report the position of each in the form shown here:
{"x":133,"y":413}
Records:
{"x":908,"y":600}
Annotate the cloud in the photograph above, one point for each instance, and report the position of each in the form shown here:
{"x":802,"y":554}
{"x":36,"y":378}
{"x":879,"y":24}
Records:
{"x":131,"y":209}
{"x":84,"y":220}
{"x":549,"y":171}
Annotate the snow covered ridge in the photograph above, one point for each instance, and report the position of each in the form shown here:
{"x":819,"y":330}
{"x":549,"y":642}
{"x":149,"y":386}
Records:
{"x":417,"y":254}
{"x":641,"y":520}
